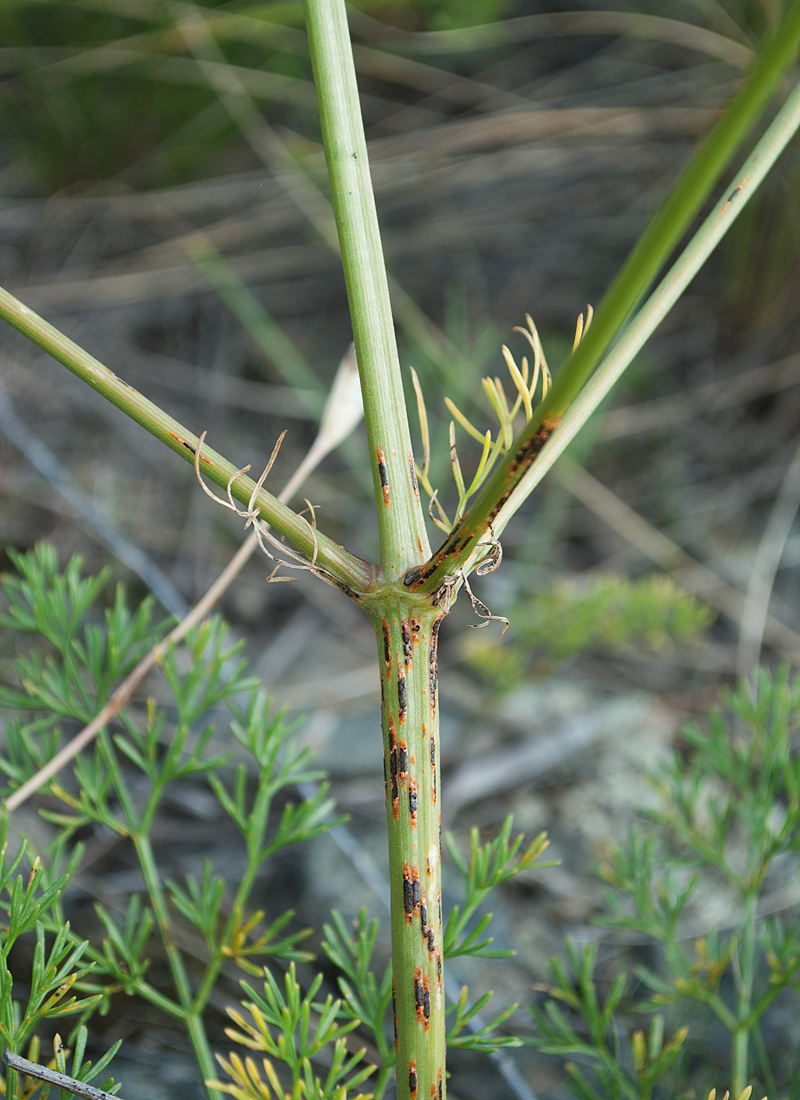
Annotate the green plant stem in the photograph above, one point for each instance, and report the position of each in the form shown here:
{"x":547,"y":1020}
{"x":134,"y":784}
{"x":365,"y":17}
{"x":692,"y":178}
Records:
{"x":254,"y":843}
{"x":406,"y":626}
{"x":661,"y":236}
{"x":747,"y":960}
{"x":157,"y":999}
{"x":407,"y":632}
{"x":191,"y":1014}
{"x":379,"y":1082}
{"x":727,"y":210}
{"x":344,"y":568}
{"x":403,"y":537}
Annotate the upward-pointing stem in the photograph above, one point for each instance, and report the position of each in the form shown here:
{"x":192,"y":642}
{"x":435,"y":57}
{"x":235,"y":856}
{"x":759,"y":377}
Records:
{"x":404,"y":540}
{"x":663,"y":233}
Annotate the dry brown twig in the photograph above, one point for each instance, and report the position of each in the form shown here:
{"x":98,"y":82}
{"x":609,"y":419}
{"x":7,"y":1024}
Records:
{"x":53,"y":1077}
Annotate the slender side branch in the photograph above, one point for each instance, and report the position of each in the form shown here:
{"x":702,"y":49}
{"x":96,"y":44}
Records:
{"x":642,"y":266}
{"x":733,"y":201}
{"x":349,"y":572}
{"x":404,"y":540}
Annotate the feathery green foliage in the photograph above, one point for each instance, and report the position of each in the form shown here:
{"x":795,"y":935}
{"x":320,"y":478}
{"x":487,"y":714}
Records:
{"x":66,"y":666}
{"x":575,"y":615}
{"x":727,"y":828}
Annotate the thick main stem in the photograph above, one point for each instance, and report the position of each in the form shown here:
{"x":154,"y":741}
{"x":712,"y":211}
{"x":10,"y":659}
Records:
{"x":407,"y":632}
{"x":403,"y":537}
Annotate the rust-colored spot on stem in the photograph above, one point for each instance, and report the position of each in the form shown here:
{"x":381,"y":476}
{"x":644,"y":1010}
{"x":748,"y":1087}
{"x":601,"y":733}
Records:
{"x":412,"y":1079}
{"x":405,"y":630}
{"x":433,"y":769}
{"x":402,"y":760}
{"x":408,"y":893}
{"x":419,"y":995}
{"x":467,"y":531}
{"x":383,"y":475}
{"x":402,"y":694}
{"x":387,"y":652}
{"x":413,"y":474}
{"x":433,"y":666}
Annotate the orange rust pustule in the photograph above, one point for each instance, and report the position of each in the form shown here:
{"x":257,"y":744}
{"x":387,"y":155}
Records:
{"x":402,"y":760}
{"x":523,"y":459}
{"x":188,"y":446}
{"x":428,"y":936}
{"x":387,"y":653}
{"x":348,"y":591}
{"x":433,"y":666}
{"x":413,"y":473}
{"x":433,"y":770}
{"x":419,"y":995}
{"x":395,"y":791}
{"x":402,"y":695}
{"x":412,"y":1079}
{"x":461,"y":535}
{"x":416,"y":896}
{"x":408,"y":893}
{"x":733,"y":195}
{"x":383,"y":475}
{"x":405,"y":631}
{"x":393,"y":768}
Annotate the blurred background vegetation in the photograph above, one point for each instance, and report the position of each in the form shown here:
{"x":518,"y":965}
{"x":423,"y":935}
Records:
{"x":164,"y":202}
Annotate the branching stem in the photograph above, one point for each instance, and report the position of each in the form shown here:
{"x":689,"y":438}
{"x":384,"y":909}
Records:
{"x":662,"y":234}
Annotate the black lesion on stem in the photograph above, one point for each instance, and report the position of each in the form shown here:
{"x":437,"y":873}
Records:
{"x":465,"y":532}
{"x":402,"y":698}
{"x":434,"y":662}
{"x":406,"y":633}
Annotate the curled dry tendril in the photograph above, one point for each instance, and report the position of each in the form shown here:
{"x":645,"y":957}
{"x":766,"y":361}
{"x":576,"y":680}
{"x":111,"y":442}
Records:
{"x":251,"y":515}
